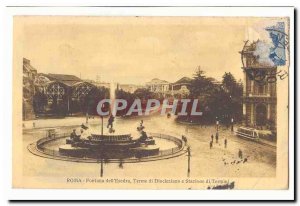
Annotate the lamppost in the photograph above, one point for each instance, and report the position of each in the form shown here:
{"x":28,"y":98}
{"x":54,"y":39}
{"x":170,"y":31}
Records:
{"x":100,"y":160}
{"x":232,"y":124}
{"x":101,"y":170}
{"x":102,"y":125}
{"x":87,"y":110}
{"x":189,"y":160}
{"x":101,"y":116}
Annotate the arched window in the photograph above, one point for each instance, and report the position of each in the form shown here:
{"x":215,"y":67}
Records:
{"x":81,"y":89}
{"x":55,"y":90}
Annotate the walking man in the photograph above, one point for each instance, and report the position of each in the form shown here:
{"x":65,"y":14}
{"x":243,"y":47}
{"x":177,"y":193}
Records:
{"x":240,"y":154}
{"x":225,"y":143}
{"x":217,"y":137}
{"x":110,"y":121}
{"x":210,"y":144}
{"x":141,"y":123}
{"x":212,"y":137}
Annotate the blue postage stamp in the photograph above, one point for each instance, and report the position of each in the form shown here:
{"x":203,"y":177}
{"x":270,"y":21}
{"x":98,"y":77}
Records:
{"x":279,"y":43}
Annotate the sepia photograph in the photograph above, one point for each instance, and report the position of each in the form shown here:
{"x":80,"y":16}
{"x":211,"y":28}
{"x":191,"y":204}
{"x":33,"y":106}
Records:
{"x":151,"y":102}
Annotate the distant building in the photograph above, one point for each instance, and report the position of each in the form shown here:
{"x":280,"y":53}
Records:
{"x":28,"y":70}
{"x":158,"y":86}
{"x":180,"y":88}
{"x":102,"y":84}
{"x":62,"y":89}
{"x":62,"y":94}
{"x":131,"y":88}
{"x":98,"y":83}
{"x":259,"y":96}
{"x":29,"y":75}
{"x":214,"y":81}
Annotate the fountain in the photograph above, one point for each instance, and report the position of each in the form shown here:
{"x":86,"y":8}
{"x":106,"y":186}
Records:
{"x":109,"y":144}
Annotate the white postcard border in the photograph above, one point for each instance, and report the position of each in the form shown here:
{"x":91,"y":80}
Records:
{"x":86,"y":194}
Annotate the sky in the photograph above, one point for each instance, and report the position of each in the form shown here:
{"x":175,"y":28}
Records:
{"x":134,"y":50}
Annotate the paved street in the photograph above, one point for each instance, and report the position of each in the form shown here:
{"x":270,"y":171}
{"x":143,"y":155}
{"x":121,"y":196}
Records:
{"x":205,"y":162}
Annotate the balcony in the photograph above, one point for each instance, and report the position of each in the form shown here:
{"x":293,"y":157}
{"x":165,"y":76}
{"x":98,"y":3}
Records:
{"x":259,"y":98}
{"x":259,"y":95}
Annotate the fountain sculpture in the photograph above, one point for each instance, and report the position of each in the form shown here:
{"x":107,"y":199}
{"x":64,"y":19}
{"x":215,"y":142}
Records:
{"x":109,"y":145}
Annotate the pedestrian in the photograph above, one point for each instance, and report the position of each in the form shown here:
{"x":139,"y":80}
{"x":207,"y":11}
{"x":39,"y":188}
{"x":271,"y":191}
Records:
{"x":73,"y":134}
{"x":184,"y":139}
{"x":225,"y":143}
{"x":210,"y":144}
{"x":110,"y":121}
{"x":212,"y":137}
{"x":240,"y":154}
{"x":33,"y":124}
{"x":217,"y":137}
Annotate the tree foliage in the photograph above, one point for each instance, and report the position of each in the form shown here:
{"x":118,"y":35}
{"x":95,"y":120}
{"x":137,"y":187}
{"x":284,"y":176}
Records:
{"x":217,"y":101}
{"x":200,"y":84}
{"x":39,"y":102}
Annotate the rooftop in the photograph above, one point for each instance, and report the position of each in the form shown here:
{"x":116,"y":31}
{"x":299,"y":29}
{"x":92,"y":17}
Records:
{"x":183,"y":80}
{"x":27,"y":66}
{"x":157,"y":81}
{"x":64,"y":78}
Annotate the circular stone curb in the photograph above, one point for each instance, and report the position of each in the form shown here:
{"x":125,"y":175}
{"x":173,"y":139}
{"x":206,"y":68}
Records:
{"x":32,"y":148}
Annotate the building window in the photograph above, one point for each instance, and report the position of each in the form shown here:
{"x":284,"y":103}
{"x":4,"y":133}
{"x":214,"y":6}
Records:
{"x":261,"y":89}
{"x":261,"y":115}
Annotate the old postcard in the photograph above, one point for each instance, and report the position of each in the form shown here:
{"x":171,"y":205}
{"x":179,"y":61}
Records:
{"x":151,"y":102}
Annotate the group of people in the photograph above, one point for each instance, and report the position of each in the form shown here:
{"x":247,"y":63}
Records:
{"x":240,"y":152}
{"x":33,"y":125}
{"x":217,"y":140}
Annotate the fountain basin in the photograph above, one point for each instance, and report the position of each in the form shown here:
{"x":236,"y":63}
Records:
{"x":73,"y":151}
{"x":149,"y":150}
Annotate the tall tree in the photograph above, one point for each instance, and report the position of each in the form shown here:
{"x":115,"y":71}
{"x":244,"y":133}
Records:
{"x":234,"y":90}
{"x":200,"y":84}
{"x":228,"y":82}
